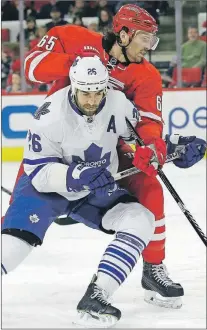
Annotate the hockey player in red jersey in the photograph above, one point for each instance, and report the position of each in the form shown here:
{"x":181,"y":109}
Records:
{"x":122,"y":51}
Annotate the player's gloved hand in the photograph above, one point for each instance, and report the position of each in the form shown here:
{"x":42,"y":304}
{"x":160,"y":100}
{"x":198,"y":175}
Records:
{"x":149,"y":157}
{"x":107,"y":189}
{"x":192,"y":149}
{"x":98,"y":180}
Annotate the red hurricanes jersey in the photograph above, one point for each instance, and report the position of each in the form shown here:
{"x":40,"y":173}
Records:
{"x":51,"y":59}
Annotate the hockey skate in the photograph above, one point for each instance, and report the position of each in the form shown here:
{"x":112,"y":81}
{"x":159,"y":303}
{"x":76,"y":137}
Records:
{"x":160,"y":290}
{"x":94,"y":310}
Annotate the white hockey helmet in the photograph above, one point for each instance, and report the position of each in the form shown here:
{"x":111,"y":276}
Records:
{"x":88,"y":74}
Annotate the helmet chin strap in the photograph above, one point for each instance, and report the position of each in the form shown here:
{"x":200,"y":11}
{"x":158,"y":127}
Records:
{"x":123,"y":49}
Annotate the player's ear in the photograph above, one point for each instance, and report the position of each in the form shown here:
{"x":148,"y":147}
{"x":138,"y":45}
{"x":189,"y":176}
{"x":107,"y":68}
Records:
{"x":124,"y":38}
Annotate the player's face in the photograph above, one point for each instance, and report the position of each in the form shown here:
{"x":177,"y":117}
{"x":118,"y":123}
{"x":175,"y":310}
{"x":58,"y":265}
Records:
{"x":88,"y":102}
{"x":139,"y":46}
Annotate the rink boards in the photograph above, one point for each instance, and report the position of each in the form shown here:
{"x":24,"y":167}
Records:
{"x":184,"y":112}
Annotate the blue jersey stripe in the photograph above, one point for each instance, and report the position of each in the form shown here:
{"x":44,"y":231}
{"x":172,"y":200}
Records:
{"x":36,"y":170}
{"x":42,"y":160}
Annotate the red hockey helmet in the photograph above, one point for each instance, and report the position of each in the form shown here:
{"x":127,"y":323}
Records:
{"x":134,"y":18}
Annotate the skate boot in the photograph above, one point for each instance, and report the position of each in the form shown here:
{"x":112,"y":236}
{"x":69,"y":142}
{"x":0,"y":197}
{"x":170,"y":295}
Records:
{"x":94,"y":310}
{"x":160,"y":290}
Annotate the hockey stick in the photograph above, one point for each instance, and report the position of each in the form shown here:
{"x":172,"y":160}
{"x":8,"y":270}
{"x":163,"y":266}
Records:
{"x":171,"y":189}
{"x":7,"y":191}
{"x":122,"y":174}
{"x":134,"y":170}
{"x":118,"y":176}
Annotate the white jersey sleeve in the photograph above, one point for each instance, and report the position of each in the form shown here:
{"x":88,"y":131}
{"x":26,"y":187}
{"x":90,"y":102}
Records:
{"x":42,"y":153}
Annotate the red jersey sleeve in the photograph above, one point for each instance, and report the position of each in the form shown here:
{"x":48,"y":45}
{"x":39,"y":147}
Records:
{"x":51,"y":58}
{"x":48,"y":61}
{"x":148,"y":100}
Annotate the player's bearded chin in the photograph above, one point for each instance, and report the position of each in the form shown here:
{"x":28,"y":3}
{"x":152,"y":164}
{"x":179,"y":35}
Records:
{"x":89,"y":110}
{"x":86,"y":109}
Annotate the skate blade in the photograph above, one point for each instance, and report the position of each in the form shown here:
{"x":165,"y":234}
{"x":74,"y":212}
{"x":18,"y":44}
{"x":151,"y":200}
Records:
{"x":154,"y":298}
{"x":86,"y":320}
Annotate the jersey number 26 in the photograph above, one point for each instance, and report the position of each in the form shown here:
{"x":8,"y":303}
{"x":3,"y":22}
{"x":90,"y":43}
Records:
{"x":34,"y":142}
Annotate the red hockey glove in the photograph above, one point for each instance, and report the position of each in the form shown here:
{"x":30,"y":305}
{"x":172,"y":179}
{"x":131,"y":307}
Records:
{"x":149,"y":157}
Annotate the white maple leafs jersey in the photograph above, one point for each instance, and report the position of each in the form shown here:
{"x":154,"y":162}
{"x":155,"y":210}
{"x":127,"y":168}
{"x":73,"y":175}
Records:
{"x":59,"y":136}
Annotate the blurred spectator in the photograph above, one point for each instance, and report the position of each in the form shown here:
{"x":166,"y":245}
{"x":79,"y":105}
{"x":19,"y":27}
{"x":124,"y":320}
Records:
{"x":167,"y":76}
{"x":15,"y":56}
{"x":46,"y":9}
{"x":194,"y":50}
{"x":5,"y":68}
{"x":30,"y":10}
{"x":164,"y":7}
{"x":63,"y":6}
{"x":26,"y":49}
{"x":44,"y":87}
{"x":193,"y":55}
{"x":204,"y":25}
{"x":77,"y":20}
{"x":92,"y":8}
{"x":80,"y":8}
{"x":104,"y":4}
{"x":152,"y":8}
{"x":55,"y":14}
{"x":30,"y":31}
{"x":15,"y":65}
{"x":9,"y":11}
{"x":15,"y":53}
{"x":125,"y":2}
{"x":93,"y":27}
{"x":15,"y":86}
{"x":105,"y":20}
{"x":41,"y":31}
{"x":140,"y":4}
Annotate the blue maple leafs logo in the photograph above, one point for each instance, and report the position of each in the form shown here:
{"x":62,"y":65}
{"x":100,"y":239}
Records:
{"x":93,"y":157}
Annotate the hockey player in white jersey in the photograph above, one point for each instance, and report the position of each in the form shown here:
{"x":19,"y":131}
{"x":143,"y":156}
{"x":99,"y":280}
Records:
{"x":70,"y":158}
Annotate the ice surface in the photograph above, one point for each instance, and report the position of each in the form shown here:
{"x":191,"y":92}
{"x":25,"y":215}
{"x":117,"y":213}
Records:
{"x":44,"y":291}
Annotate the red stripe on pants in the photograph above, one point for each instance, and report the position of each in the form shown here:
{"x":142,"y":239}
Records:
{"x":149,"y":193}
